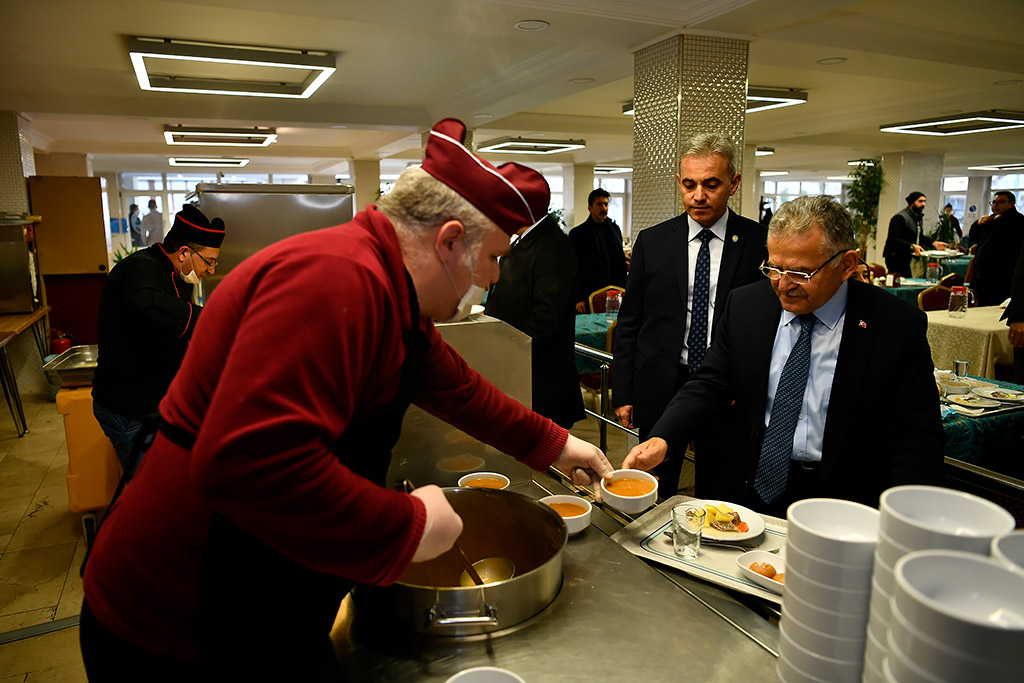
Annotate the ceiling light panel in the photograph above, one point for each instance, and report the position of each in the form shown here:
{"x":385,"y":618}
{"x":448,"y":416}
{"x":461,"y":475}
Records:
{"x":963,"y":124}
{"x":167,"y":65}
{"x":511,"y":145}
{"x":220,"y":137}
{"x":208,"y":162}
{"x":762,"y":99}
{"x":998,"y":168}
{"x":764,"y":151}
{"x":612,"y":170}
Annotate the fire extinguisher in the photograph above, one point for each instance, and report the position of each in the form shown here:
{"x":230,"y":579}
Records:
{"x":59,"y":342}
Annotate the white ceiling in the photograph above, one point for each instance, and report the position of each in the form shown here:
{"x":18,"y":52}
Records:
{"x":403,"y":64}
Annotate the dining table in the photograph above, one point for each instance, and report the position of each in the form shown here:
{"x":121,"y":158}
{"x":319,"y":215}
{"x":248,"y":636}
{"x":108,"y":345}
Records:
{"x":909,"y":288}
{"x":979,"y":337}
{"x":992,"y":440}
{"x":592,"y":331}
{"x":957,"y":265}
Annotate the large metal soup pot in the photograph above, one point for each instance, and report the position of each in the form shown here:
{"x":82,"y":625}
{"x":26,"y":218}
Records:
{"x":428,"y":599}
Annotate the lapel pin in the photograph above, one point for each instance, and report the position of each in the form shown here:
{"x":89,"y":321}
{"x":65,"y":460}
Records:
{"x":735,"y":238}
{"x":863,"y":324}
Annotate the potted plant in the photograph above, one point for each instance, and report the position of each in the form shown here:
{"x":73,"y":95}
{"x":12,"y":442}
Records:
{"x":863,"y":202}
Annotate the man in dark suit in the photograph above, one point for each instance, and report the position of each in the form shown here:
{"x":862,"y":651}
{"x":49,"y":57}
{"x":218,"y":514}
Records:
{"x":597,"y":241}
{"x":658,"y":344}
{"x":1000,"y":237}
{"x":535,"y":296}
{"x":801,"y":367}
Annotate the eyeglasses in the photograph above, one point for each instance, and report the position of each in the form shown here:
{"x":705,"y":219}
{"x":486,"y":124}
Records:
{"x":773,"y":273}
{"x":1000,"y":200}
{"x":212,"y":265}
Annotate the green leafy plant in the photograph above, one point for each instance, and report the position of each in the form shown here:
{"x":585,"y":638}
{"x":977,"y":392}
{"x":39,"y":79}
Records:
{"x":863,"y":202}
{"x":557,"y":215}
{"x":944,"y":230}
{"x":123,"y":252}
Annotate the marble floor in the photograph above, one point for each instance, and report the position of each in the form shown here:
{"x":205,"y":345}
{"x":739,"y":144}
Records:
{"x":41,"y":550}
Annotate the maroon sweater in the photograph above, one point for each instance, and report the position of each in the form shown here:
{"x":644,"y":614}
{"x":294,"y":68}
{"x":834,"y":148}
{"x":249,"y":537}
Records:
{"x":299,"y":342}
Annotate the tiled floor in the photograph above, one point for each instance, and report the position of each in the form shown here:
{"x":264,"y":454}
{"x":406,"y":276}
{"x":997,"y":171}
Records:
{"x":41,"y":549}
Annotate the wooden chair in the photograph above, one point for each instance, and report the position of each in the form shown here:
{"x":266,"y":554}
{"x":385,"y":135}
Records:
{"x":609,"y":340}
{"x":970,"y":272}
{"x":876,"y":270}
{"x":599,"y":298}
{"x":951,"y":280}
{"x":935,"y":298}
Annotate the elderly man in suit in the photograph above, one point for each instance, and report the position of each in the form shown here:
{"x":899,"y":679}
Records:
{"x":795,"y":361}
{"x":681,"y":272}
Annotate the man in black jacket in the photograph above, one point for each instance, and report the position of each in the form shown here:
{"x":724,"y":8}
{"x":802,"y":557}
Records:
{"x":906,"y":236}
{"x":146,"y":320}
{"x":535,"y":295}
{"x":1000,"y":237}
{"x":655,"y":347}
{"x":600,"y":260}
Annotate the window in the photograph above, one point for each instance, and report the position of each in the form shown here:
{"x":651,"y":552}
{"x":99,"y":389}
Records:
{"x":955,"y":184}
{"x":618,"y":203}
{"x":1013,"y":182}
{"x":290,"y":179}
{"x":246,"y":178}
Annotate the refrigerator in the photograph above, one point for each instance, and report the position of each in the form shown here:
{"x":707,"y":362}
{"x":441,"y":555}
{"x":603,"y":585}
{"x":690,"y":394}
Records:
{"x":19,"y":284}
{"x":256,"y":216}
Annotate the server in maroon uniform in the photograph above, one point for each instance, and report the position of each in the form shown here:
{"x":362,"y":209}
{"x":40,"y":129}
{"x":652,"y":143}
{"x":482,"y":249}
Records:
{"x":260,"y":501}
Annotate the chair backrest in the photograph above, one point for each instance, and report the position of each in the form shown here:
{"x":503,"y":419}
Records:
{"x":970,"y":272}
{"x":876,"y":269}
{"x":935,"y":298}
{"x":599,"y":298}
{"x":951,"y":280}
{"x":609,"y":340}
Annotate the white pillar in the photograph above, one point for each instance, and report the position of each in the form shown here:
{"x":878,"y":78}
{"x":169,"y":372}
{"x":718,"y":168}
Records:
{"x":903,"y":173}
{"x":366,"y":178}
{"x":749,"y":184}
{"x":583,"y":185}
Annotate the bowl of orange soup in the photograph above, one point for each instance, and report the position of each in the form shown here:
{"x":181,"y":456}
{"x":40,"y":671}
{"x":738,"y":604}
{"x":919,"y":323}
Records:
{"x":485,"y":480}
{"x":630,"y":491}
{"x":573,"y":510}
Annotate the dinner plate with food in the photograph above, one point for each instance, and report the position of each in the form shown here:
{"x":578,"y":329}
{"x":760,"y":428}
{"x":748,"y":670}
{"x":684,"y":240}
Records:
{"x":728,"y":522}
{"x":973,"y":401}
{"x":976,"y":383}
{"x":999,"y":394}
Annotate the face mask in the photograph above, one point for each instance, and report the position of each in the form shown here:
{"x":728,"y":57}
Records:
{"x":473,"y":296}
{"x":192,"y":278}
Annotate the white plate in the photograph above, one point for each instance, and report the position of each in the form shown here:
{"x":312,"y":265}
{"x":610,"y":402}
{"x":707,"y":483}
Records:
{"x":987,"y":392}
{"x":755,"y":523}
{"x":968,"y":401}
{"x":746,"y":559}
{"x":976,"y":382}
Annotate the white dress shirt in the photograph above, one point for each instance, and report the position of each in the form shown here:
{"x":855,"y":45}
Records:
{"x":717,"y":246}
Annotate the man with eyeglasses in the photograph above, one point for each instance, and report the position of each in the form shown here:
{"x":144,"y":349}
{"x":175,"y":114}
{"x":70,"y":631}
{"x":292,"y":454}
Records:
{"x":146,"y":321}
{"x":825,"y":383}
{"x":999,"y":236}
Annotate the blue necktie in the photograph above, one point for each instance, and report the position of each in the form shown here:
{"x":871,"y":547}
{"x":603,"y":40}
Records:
{"x":697,"y":341}
{"x":777,"y":449}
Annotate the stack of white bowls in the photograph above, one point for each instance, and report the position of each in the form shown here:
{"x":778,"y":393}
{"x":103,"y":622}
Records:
{"x":829,"y":549}
{"x":1008,"y":550}
{"x":954,"y":617}
{"x":922,"y":518}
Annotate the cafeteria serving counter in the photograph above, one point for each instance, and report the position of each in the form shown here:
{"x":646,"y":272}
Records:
{"x":616,"y":618}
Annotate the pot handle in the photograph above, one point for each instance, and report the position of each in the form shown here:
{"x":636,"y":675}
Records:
{"x":435,"y":620}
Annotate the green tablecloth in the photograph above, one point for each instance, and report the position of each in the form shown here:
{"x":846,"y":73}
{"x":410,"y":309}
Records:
{"x":993,"y":442}
{"x":956,"y":265}
{"x":909,"y":289}
{"x":592,"y":331}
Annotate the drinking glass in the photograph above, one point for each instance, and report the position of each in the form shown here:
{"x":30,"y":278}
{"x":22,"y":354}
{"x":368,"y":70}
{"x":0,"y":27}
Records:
{"x":687,"y":523}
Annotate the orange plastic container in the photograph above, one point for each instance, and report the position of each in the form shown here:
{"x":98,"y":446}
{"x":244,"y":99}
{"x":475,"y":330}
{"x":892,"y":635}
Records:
{"x":93,"y":469}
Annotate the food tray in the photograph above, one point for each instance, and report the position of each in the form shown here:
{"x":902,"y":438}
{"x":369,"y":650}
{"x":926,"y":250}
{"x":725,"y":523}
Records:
{"x":645,"y":537}
{"x":74,"y":367}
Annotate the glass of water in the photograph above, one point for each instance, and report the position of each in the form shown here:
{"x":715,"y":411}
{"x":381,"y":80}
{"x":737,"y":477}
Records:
{"x":687,"y":523}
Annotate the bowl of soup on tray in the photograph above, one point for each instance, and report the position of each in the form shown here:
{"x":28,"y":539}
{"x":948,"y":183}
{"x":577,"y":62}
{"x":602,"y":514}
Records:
{"x":630,"y":491}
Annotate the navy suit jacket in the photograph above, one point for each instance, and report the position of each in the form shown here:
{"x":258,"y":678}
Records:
{"x":876,"y":436}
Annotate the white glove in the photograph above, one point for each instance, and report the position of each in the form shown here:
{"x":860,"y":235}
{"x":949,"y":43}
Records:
{"x":443,"y":525}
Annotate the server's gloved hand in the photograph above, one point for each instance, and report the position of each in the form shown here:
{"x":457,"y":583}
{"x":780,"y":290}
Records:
{"x":443,"y":525}
{"x":584,"y":463}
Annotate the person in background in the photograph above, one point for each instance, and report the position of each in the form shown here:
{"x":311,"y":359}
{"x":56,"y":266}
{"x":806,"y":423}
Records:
{"x":135,"y":225}
{"x":795,"y":359}
{"x":954,"y":222}
{"x":146,"y":321}
{"x":600,"y":260}
{"x":906,"y":237}
{"x":262,"y":500}
{"x":863,"y":273}
{"x":534,"y":295}
{"x":152,"y":227}
{"x":999,"y":237}
{"x":677,"y":287}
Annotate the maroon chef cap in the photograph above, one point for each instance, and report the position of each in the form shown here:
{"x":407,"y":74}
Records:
{"x":191,"y":225}
{"x":511,"y":195}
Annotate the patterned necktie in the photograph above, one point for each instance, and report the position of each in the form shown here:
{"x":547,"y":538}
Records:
{"x":697,"y":341}
{"x":777,"y":449}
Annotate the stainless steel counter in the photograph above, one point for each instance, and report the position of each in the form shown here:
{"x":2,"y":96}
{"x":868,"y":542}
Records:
{"x":616,"y":618}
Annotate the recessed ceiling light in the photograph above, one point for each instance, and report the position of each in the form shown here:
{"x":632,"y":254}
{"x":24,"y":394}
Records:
{"x":581,"y":81}
{"x":339,"y":126}
{"x":1019,"y":166}
{"x":612,"y":170}
{"x":168,"y":65}
{"x":220,"y":137}
{"x":536,"y":135}
{"x":764,"y":151}
{"x":829,"y":61}
{"x":512,"y":145}
{"x":839,"y":177}
{"x":483,"y":116}
{"x":964,"y":124}
{"x":208,"y":162}
{"x":531,"y":25}
{"x":760,"y":99}
{"x":861,"y":162}
{"x":628,"y":109}
{"x":768,"y":174}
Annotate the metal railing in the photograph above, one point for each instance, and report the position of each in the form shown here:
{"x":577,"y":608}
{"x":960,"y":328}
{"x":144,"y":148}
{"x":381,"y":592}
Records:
{"x":603,"y":402}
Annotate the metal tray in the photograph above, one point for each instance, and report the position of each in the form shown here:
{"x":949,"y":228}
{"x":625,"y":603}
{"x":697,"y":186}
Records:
{"x":74,"y":367}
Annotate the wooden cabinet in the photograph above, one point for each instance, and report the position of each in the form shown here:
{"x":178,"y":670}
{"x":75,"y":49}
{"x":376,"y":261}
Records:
{"x":71,"y":238}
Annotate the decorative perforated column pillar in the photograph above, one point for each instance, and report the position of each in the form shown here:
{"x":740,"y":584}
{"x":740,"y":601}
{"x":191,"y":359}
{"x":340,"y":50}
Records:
{"x":903,"y":173}
{"x":17,"y":162}
{"x":682,"y":86}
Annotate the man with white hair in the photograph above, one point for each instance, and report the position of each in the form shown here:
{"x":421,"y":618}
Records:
{"x":261,"y":502}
